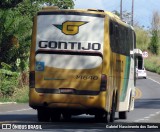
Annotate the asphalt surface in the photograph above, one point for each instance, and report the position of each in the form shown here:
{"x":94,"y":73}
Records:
{"x":147,"y":110}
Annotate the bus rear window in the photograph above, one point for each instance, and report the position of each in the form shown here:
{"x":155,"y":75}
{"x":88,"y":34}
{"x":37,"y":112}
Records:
{"x":69,"y":61}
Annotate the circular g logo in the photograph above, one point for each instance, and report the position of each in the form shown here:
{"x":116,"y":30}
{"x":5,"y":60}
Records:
{"x":70,"y":27}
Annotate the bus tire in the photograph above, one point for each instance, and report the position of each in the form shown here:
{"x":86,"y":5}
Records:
{"x":113,"y":110}
{"x":102,"y":117}
{"x":123,"y":115}
{"x":55,"y":116}
{"x":43,"y":115}
{"x":99,"y":117}
{"x":130,"y":100}
{"x":66,"y":116}
{"x":107,"y":118}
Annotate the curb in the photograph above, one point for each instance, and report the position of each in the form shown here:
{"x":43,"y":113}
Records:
{"x":1,"y":103}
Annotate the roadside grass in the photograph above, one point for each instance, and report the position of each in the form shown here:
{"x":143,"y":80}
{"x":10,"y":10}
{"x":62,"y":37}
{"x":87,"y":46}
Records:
{"x":152,"y":63}
{"x":20,"y":95}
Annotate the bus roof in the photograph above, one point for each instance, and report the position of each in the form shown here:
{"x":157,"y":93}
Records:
{"x":111,"y":15}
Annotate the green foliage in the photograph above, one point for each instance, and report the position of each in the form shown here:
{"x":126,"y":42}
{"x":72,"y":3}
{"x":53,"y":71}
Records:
{"x":19,"y":95}
{"x":126,"y":16}
{"x":116,"y":13}
{"x":15,"y":32}
{"x":142,"y":38}
{"x":8,"y":81}
{"x":9,"y":3}
{"x":6,"y":66}
{"x":150,"y":66}
{"x":62,"y":4}
{"x":152,"y":63}
{"x":154,"y":46}
{"x":158,"y":70}
{"x":15,"y":38}
{"x":7,"y":86}
{"x":12,"y":82}
{"x":16,"y":29}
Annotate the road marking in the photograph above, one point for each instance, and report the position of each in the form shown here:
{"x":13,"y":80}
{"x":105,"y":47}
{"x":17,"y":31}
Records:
{"x":9,"y":122}
{"x":152,"y":115}
{"x":16,"y":110}
{"x":139,"y":120}
{"x":138,"y":93}
{"x":158,"y":112}
{"x":147,"y":117}
{"x":3,"y":103}
{"x":153,"y":80}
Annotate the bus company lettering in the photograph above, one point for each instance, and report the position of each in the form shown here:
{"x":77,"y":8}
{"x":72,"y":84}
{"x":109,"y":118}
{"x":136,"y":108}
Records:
{"x":85,"y":77}
{"x":69,"y":45}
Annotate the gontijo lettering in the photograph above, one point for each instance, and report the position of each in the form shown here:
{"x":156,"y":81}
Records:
{"x":69,"y":45}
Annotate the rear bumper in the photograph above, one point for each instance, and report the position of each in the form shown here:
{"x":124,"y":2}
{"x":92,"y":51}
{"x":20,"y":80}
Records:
{"x":67,"y":101}
{"x":141,"y":75}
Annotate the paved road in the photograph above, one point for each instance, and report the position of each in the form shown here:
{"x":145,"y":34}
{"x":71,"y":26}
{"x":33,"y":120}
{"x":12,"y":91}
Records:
{"x":149,"y":103}
{"x":147,"y":110}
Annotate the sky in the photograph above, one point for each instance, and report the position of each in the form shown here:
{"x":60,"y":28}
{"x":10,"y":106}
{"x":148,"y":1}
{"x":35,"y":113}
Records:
{"x":143,"y":9}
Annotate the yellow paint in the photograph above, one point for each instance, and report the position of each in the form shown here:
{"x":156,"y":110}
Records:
{"x":33,"y":45}
{"x":71,"y":27}
{"x":138,"y":93}
{"x":113,"y":67}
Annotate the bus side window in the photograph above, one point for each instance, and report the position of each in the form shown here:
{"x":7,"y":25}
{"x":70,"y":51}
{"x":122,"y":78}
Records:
{"x":117,"y":37}
{"x":116,"y":31}
{"x":112,"y":36}
{"x":111,"y":28}
{"x":122,"y":40}
{"x":125,"y":37}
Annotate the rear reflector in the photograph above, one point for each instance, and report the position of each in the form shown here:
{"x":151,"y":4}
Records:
{"x":32,"y":79}
{"x":103,"y":83}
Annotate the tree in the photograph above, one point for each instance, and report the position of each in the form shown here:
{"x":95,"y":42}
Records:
{"x":16,"y":27}
{"x":142,"y":38}
{"x":126,"y":16}
{"x":15,"y":36}
{"x":6,"y":4}
{"x":154,"y":46}
{"x":62,"y":4}
{"x":15,"y":39}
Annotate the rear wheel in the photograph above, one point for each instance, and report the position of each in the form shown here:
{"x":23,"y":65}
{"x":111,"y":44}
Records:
{"x":66,"y":116}
{"x":123,"y":115}
{"x":113,"y":110}
{"x":43,"y":115}
{"x":55,"y":116}
{"x":102,"y":117}
{"x":107,"y":118}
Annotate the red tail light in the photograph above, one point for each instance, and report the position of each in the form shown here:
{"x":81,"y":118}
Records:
{"x":103,"y":83}
{"x":32,"y":79}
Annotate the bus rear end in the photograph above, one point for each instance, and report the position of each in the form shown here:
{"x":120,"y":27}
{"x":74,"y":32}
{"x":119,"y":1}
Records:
{"x":66,"y":63}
